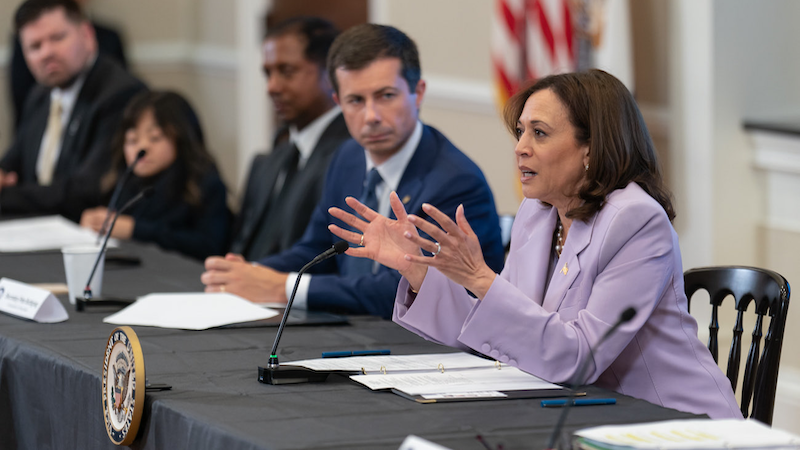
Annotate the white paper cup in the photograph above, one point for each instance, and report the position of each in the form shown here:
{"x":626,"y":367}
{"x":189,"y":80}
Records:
{"x":78,"y":263}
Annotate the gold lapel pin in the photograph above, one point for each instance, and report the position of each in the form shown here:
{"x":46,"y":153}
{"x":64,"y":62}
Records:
{"x":406,"y":199}
{"x":565,"y":269}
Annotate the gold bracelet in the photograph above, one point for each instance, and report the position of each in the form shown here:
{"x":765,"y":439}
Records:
{"x":412,"y":290}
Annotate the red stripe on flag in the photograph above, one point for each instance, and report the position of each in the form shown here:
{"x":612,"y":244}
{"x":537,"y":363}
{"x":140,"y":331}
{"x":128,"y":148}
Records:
{"x":568,"y":31}
{"x":545,"y":29}
{"x":506,"y":84}
{"x":509,"y":20}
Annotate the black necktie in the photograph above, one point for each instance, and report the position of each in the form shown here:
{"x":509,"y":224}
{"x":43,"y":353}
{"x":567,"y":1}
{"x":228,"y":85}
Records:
{"x":290,"y":169}
{"x":364,"y":266}
{"x":265,"y":234}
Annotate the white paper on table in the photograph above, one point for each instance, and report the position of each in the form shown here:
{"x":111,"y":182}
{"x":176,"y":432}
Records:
{"x":189,"y":311}
{"x":397,"y":363}
{"x":691,"y":434}
{"x":457,"y":381}
{"x":44,"y":233}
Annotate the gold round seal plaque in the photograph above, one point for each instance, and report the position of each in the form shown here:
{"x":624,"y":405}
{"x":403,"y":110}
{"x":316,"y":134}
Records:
{"x":123,"y":385}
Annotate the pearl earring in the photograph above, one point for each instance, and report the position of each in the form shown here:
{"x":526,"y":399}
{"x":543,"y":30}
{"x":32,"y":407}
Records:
{"x":586,"y":167}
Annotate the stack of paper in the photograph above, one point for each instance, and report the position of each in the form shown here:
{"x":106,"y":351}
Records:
{"x":687,"y":434}
{"x":189,"y":311}
{"x":43,"y":233}
{"x":434,"y":376}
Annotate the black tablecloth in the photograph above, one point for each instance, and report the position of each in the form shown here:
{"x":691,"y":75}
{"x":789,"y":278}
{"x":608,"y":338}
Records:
{"x":50,"y":389}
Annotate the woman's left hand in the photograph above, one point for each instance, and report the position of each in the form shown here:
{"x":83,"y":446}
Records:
{"x":458,"y":254}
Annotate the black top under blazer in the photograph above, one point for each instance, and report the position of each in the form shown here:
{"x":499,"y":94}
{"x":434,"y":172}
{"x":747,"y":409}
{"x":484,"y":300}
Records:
{"x":167,"y":219}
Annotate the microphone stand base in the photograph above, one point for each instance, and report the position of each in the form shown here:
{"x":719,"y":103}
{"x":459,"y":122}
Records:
{"x":81,"y":303}
{"x":289,"y":375}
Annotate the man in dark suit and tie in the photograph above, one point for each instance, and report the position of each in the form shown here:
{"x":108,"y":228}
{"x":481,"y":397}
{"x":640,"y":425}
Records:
{"x":69,"y":116}
{"x":285,"y":184}
{"x":375,"y":73}
{"x":21,"y":80}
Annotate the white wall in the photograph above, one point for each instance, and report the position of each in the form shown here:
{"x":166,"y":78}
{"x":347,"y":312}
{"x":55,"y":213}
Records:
{"x":734,"y":59}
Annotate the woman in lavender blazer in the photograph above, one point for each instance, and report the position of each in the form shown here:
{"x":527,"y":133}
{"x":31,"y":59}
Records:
{"x":592,"y":238}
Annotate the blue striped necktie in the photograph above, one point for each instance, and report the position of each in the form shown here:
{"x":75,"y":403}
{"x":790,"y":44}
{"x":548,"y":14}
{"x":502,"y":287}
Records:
{"x":364,"y":266}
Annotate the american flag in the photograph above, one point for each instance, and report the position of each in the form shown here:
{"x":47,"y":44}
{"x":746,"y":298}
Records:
{"x":535,"y":38}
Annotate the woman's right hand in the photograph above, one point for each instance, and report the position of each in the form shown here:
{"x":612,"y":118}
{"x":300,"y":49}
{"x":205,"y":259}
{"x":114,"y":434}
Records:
{"x":384,"y":240}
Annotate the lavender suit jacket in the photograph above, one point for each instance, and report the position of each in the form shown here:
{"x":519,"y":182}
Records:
{"x":626,"y":255}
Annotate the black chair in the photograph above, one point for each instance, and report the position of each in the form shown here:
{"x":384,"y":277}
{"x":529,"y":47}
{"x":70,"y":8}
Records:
{"x":770,"y":291}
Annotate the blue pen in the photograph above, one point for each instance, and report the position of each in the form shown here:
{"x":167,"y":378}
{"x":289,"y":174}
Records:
{"x":579,"y":402}
{"x":346,"y":353}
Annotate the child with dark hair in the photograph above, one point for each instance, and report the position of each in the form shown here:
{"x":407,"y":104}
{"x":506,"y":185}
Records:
{"x":187,"y":211}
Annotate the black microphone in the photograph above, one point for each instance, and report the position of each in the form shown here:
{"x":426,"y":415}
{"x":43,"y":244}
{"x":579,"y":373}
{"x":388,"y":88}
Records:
{"x":87,"y":291}
{"x":112,"y":204}
{"x":276,"y":374}
{"x":578,"y":381}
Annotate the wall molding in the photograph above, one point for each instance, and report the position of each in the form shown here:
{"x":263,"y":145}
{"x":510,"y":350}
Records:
{"x":207,"y":57}
{"x":443,"y":91}
{"x":777,"y":155}
{"x":773,"y":151}
{"x":477,"y":97}
{"x":785,"y":225}
{"x":460,"y":94}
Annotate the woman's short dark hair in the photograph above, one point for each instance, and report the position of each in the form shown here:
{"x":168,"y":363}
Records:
{"x":606,"y":118}
{"x":363,"y":44}
{"x":177,"y":119}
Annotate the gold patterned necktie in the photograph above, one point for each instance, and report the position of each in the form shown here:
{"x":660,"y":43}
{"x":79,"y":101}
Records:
{"x":53,"y":137}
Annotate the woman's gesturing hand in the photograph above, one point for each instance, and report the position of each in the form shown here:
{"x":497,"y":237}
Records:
{"x":382,"y":239}
{"x":455,"y":248}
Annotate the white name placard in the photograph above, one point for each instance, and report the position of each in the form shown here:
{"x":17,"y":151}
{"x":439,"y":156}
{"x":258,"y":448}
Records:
{"x":417,"y":443}
{"x":28,"y":302}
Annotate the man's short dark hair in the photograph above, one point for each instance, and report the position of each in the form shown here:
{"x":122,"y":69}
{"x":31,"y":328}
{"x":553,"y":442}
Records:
{"x":31,"y":10}
{"x":362,"y":44}
{"x":318,"y":34}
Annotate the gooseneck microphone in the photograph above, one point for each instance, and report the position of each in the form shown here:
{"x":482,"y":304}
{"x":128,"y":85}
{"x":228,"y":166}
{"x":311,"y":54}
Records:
{"x":578,"y":381}
{"x":276,"y":374}
{"x":87,"y":291}
{"x":112,"y":204}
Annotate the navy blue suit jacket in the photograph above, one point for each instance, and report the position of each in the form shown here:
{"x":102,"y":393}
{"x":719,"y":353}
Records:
{"x":438,"y":174}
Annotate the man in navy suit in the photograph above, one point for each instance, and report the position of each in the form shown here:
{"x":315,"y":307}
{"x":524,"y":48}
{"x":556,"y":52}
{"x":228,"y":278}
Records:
{"x":375,"y":74}
{"x":70,"y":115}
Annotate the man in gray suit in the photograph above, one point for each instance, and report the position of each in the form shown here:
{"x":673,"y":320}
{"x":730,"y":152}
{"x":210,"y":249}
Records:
{"x":70,"y":115}
{"x":286,"y":184}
